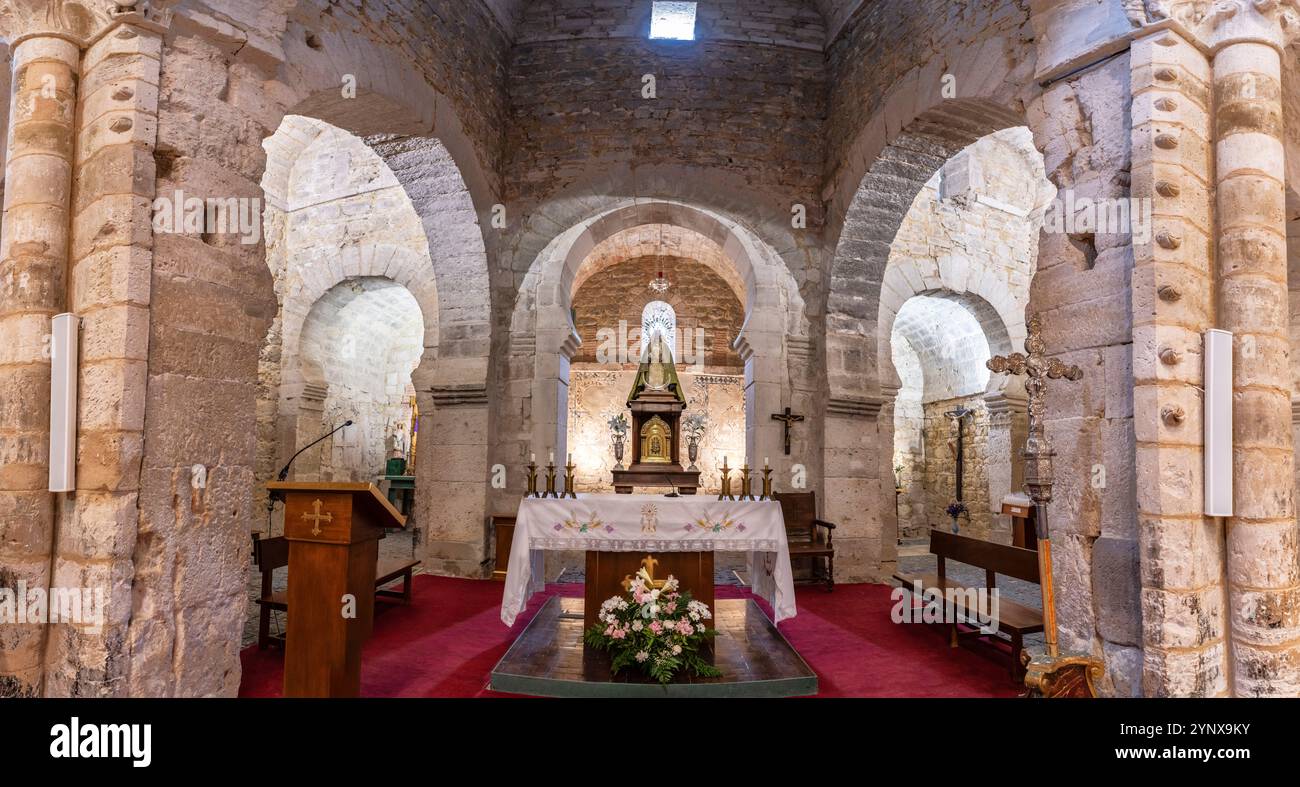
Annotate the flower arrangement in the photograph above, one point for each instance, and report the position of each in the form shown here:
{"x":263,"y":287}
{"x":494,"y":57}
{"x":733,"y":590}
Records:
{"x":618,"y":427}
{"x":694,"y":425}
{"x":657,"y":629}
{"x":957,"y":509}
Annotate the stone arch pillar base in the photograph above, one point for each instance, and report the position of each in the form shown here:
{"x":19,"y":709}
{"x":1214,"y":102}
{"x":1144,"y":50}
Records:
{"x":859,"y":490}
{"x":451,"y":480}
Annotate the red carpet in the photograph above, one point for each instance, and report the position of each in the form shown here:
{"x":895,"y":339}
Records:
{"x":446,"y":643}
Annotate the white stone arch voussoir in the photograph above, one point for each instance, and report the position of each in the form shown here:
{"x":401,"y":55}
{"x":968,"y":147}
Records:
{"x":542,"y":322}
{"x":418,"y":132}
{"x":398,"y":264}
{"x":1000,"y":314}
{"x":858,"y":366}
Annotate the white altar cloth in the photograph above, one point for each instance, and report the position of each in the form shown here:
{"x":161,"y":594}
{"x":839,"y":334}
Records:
{"x":650,"y":523}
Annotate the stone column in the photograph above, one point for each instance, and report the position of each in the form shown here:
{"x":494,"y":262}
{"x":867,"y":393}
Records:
{"x":33,"y":288}
{"x":859,"y":491}
{"x":1008,"y":429}
{"x":1263,"y":548}
{"x":451,"y":478}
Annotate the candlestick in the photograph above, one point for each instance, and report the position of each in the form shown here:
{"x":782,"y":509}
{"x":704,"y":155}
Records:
{"x":570,"y":488}
{"x":550,"y":480}
{"x":726,"y":481}
{"x":767,"y":483}
{"x":746,"y":488}
{"x":532,"y":478}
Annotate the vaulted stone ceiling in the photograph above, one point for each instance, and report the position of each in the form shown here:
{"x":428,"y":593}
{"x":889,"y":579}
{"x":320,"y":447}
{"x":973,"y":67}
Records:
{"x":835,"y":12}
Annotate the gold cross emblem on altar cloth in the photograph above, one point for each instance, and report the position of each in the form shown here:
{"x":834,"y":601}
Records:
{"x":316,"y":517}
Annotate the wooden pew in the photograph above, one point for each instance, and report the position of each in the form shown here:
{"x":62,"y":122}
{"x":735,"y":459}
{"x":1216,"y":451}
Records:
{"x":272,"y":553}
{"x":1015,"y":619}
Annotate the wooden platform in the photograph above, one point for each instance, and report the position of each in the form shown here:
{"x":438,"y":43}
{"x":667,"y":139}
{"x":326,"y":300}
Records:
{"x":549,"y":660}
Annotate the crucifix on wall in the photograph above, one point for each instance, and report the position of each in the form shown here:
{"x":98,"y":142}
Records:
{"x":787,"y":418}
{"x":960,"y":415}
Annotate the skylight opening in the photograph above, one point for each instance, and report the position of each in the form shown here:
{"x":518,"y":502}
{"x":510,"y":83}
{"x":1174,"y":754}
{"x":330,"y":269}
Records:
{"x":672,"y":21}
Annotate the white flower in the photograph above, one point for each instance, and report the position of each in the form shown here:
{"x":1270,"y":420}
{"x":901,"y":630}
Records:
{"x":677,"y":650}
{"x":642,"y":656}
{"x":636,"y":625}
{"x":695,"y":615}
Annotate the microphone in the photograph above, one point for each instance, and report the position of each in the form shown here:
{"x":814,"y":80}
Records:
{"x":284,"y":472}
{"x":669,"y":479}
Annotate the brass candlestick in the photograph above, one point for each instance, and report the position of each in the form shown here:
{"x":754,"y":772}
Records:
{"x":532,"y":479}
{"x":726,"y":482}
{"x":746,"y":488}
{"x":568,"y":481}
{"x":767,"y":483}
{"x":550,"y":480}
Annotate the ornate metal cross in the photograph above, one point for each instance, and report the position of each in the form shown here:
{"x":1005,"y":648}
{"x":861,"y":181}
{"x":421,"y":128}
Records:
{"x":787,"y":418}
{"x":316,"y":517}
{"x":1038,"y":450}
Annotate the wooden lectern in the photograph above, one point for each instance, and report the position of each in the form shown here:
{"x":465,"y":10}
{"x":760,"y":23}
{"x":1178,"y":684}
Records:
{"x":333,"y":532}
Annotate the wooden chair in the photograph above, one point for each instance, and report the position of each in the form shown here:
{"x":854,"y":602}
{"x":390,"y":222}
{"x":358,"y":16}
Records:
{"x":1015,"y":619}
{"x":809,"y":537}
{"x":272,"y":553}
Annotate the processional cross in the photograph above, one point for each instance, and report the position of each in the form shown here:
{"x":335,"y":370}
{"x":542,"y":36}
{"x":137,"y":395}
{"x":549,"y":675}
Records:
{"x":787,"y":419}
{"x":1052,"y":675}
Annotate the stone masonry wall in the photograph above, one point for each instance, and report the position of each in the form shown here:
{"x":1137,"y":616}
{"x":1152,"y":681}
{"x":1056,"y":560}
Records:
{"x":939,"y":476}
{"x":595,"y":396}
{"x":746,"y":98}
{"x":701,"y":299}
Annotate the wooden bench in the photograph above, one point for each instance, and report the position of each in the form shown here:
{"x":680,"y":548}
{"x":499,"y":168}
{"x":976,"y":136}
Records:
{"x":272,"y":553}
{"x":1015,"y":619}
{"x":808,"y":536}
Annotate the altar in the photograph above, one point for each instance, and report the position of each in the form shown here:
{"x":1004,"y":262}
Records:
{"x":651,"y":526}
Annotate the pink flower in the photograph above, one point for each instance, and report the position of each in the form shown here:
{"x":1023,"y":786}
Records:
{"x":670,"y":607}
{"x":684,"y":627}
{"x":656,"y":627}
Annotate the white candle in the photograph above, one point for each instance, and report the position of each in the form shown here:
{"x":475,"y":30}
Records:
{"x":765,"y":464}
{"x":724,"y":460}
{"x":570,"y":458}
{"x":552,"y":457}
{"x":532,"y":458}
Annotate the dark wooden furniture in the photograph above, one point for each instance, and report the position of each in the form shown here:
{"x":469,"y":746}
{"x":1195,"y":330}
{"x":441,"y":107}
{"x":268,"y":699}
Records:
{"x":1024,"y":532}
{"x":809,"y":537}
{"x":503,"y":530}
{"x":333,"y":530}
{"x":272,"y":553}
{"x":1015,"y":619}
{"x":607,"y":570}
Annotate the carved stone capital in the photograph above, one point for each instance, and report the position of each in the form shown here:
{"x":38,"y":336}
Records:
{"x":1217,"y":23}
{"x":80,"y":21}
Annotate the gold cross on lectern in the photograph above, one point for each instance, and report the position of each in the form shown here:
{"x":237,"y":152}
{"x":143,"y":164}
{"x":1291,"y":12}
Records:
{"x":316,"y":517}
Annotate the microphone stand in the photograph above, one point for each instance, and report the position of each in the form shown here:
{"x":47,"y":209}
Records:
{"x":284,"y":472}
{"x":669,"y":479}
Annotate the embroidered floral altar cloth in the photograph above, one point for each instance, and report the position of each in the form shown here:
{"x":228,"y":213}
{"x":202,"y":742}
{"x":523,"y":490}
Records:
{"x":650,"y":523}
